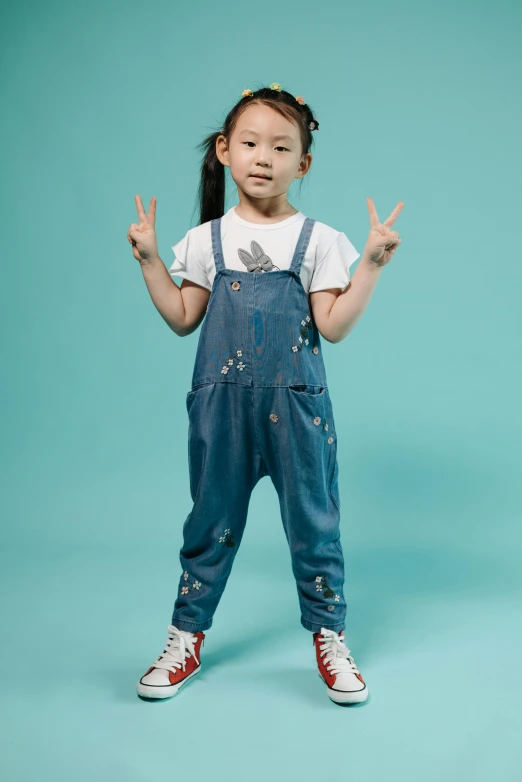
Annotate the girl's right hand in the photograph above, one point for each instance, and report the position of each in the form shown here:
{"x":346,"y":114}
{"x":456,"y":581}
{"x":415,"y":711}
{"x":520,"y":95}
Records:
{"x":142,"y":237}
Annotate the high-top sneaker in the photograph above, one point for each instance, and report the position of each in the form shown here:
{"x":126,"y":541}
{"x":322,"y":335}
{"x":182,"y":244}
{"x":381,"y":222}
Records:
{"x":337,"y":669}
{"x":178,"y":663}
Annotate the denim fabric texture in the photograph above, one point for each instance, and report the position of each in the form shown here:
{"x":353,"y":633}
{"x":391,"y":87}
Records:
{"x":259,"y":405}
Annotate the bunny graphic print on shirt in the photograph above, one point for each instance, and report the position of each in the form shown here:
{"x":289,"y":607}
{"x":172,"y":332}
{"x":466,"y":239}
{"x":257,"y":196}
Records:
{"x":326,"y":264}
{"x":258,"y":261}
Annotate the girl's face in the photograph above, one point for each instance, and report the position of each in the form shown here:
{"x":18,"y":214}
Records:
{"x":266,"y":144}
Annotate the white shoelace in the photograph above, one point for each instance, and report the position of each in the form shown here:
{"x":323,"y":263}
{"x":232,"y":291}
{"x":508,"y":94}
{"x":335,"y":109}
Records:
{"x":173,"y":658}
{"x":336,"y":655}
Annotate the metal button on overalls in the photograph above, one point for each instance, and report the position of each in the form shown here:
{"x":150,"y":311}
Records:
{"x":259,"y":405}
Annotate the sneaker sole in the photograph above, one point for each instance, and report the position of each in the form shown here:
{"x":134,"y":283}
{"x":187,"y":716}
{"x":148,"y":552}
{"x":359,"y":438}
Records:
{"x":356,"y":696}
{"x":153,"y":692}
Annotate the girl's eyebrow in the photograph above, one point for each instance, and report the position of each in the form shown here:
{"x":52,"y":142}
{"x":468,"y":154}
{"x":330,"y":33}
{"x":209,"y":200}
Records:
{"x":274,"y":138}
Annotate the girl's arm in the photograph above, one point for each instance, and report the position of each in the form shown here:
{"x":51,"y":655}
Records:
{"x":336,"y":313}
{"x":183,"y":308}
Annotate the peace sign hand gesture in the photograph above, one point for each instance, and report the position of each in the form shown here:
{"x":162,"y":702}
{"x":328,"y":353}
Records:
{"x":382,"y":242}
{"x":142,"y":237}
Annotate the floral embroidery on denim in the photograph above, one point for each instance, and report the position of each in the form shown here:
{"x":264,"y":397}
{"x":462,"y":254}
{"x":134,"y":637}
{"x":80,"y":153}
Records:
{"x":230,"y":362}
{"x":303,"y":339}
{"x":317,"y":421}
{"x":227,"y":538}
{"x":185,"y":589}
{"x":236,"y":286}
{"x":321,"y":582}
{"x":274,"y":417}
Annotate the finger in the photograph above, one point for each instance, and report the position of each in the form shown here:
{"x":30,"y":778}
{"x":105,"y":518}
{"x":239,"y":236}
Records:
{"x":386,"y":236}
{"x":152,"y":211}
{"x":392,"y":237}
{"x":374,"y":217}
{"x":140,"y":210}
{"x":394,"y":215}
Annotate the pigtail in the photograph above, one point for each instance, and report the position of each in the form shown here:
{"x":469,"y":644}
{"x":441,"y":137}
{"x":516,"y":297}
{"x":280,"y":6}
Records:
{"x":211,"y":193}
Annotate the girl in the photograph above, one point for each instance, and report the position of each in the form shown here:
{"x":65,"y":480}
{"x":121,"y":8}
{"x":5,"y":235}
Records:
{"x":268,"y":281}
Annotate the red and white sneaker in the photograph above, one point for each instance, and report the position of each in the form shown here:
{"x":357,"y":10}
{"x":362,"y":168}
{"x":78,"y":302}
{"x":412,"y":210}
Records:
{"x":178,"y":663}
{"x":337,"y":669}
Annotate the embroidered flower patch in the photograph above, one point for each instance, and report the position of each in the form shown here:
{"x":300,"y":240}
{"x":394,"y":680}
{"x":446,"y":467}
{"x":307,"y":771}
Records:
{"x":230,"y":362}
{"x":227,"y":538}
{"x":321,"y":582}
{"x":306,"y":324}
{"x":236,"y":286}
{"x":186,"y":589}
{"x":274,"y":417}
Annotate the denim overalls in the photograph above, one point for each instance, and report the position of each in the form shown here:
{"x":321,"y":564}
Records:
{"x":259,"y":405}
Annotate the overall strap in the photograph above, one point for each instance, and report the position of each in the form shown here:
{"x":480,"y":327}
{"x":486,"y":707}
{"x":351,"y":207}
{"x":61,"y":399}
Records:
{"x":217,"y":247}
{"x":302,"y":245}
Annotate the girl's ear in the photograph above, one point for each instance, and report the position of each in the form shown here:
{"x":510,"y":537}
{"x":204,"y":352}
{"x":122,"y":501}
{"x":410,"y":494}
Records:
{"x":304,"y":165}
{"x":222,"y":150}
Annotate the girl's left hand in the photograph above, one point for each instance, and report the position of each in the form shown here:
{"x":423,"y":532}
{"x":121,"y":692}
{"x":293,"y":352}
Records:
{"x":382,"y":242}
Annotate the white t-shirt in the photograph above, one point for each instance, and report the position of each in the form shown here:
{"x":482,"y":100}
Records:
{"x":325,"y":265}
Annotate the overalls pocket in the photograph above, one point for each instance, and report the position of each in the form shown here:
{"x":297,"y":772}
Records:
{"x":315,"y":404}
{"x":308,"y":390}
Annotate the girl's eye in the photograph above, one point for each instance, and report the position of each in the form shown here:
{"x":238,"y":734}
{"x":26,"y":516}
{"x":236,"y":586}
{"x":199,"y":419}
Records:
{"x":251,"y":142}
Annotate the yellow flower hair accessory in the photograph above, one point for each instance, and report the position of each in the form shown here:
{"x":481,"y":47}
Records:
{"x":300,"y":100}
{"x":275,"y":86}
{"x":245,"y":93}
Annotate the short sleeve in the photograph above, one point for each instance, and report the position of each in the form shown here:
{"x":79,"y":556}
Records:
{"x":333,"y":269}
{"x":188,"y":261}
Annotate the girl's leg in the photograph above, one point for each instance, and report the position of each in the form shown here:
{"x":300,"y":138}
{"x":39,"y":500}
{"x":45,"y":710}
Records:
{"x":300,"y":450}
{"x":225,"y":465}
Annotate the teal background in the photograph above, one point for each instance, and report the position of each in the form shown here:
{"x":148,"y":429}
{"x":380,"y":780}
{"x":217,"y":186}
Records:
{"x":417,"y":102}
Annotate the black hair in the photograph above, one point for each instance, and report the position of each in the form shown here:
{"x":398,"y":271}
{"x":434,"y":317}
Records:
{"x":211,"y":192}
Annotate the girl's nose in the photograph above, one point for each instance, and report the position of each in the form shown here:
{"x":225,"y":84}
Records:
{"x":263,"y":158}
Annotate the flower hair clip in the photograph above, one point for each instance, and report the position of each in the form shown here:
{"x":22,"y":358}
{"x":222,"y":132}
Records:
{"x":314,"y":125}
